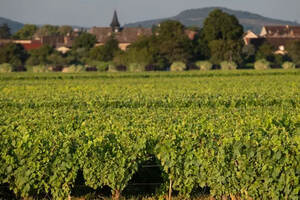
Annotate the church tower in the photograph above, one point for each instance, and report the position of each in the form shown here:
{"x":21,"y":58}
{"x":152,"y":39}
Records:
{"x":115,"y":25}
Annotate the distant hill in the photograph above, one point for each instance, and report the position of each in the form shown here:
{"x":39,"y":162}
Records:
{"x":196,"y":17}
{"x":13,"y":25}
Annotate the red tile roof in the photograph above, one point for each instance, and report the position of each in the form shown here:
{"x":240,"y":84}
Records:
{"x":125,"y":35}
{"x":282,"y":31}
{"x":35,"y":44}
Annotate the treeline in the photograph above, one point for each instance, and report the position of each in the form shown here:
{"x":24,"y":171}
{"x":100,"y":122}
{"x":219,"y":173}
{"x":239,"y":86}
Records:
{"x":219,"y":44}
{"x":28,"y":31}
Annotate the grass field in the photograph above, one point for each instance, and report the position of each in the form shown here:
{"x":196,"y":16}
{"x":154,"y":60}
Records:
{"x":229,"y":133}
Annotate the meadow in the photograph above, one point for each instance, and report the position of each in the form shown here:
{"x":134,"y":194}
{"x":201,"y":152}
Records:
{"x":225,"y":134}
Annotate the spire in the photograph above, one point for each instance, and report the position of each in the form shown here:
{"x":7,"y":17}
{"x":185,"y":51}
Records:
{"x":115,"y":25}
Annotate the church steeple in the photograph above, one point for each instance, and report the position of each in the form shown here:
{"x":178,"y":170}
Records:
{"x":115,"y":25}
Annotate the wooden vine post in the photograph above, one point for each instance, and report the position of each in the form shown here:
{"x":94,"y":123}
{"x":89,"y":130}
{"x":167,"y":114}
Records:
{"x":116,"y":195}
{"x":170,"y":190}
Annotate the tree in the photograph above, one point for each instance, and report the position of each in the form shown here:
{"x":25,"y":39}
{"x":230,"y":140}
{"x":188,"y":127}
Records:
{"x":78,"y":56}
{"x":225,"y":50}
{"x":14,"y":54}
{"x":140,"y":57}
{"x":265,"y":51}
{"x":170,"y":29}
{"x":81,"y":47}
{"x":97,"y":53}
{"x":222,"y":26}
{"x":173,"y":43}
{"x":103,"y":53}
{"x":146,"y":50}
{"x":222,"y":33}
{"x":4,"y":31}
{"x":168,"y":44}
{"x":47,"y":30}
{"x":248,"y":53}
{"x":112,"y":45}
{"x":40,"y":56}
{"x":64,"y":30}
{"x":106,"y":52}
{"x":201,"y":50}
{"x":57,"y":59}
{"x":26,"y":32}
{"x":85,"y":40}
{"x":293,"y":49}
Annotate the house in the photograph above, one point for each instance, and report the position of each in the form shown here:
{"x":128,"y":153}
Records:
{"x":124,"y":35}
{"x":248,"y":36}
{"x":59,"y":42}
{"x":277,"y":36}
{"x":27,"y":44}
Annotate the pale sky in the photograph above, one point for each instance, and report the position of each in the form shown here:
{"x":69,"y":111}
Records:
{"x":88,"y":13}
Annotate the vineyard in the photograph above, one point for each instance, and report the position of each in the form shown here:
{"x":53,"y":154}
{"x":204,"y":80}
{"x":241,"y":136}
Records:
{"x":235,"y":133}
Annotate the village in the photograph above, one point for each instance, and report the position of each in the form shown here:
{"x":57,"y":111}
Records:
{"x":273,"y":39}
{"x":277,"y":36}
{"x":125,"y":37}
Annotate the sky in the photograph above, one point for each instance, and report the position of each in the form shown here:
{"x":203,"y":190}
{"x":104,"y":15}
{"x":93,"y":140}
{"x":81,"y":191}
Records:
{"x":87,"y":13}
